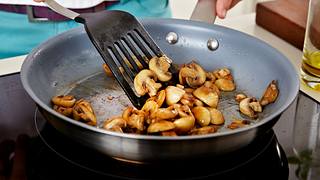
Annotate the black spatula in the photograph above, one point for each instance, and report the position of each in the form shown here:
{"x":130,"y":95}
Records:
{"x":118,"y":36}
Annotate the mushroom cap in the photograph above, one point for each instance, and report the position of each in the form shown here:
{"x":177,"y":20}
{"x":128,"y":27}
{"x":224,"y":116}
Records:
{"x":193,"y":74}
{"x":173,"y":95}
{"x":66,"y":101}
{"x":207,"y":95}
{"x":225,"y":84}
{"x":160,"y":126}
{"x":145,"y":82}
{"x":184,"y":124}
{"x":160,"y":67}
{"x":244,"y":107}
{"x":111,"y":123}
{"x":216,"y":116}
{"x":202,"y":115}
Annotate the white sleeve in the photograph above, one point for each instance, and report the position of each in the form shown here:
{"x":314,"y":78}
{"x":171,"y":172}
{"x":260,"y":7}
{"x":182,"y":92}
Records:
{"x":76,"y":4}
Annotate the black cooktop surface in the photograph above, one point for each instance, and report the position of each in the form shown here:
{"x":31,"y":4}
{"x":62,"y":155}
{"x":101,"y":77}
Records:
{"x":54,"y":156}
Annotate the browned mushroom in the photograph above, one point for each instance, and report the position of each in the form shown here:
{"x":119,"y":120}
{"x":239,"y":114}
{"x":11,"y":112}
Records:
{"x":169,"y":133}
{"x":249,"y":107}
{"x":240,"y":97}
{"x":237,"y":123}
{"x":115,"y":124}
{"x":160,"y":67}
{"x":202,"y":115}
{"x":145,"y":82}
{"x":203,"y":130}
{"x":150,"y":107}
{"x":166,"y":113}
{"x":271,"y":93}
{"x":160,"y":126}
{"x":173,"y":95}
{"x":225,"y":84}
{"x":223,"y":73}
{"x":63,"y":110}
{"x":216,"y":116}
{"x":207,"y":95}
{"x":184,"y":124}
{"x":136,"y":120}
{"x":192,"y":74}
{"x":66,"y":101}
{"x":82,"y":111}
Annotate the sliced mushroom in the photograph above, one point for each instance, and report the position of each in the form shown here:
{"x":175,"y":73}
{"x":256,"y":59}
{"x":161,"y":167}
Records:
{"x":160,"y":126}
{"x":183,"y":110}
{"x":216,"y":116}
{"x":168,"y":133}
{"x":115,"y":124}
{"x":235,"y":124}
{"x":159,"y":98}
{"x":240,"y":97}
{"x":192,"y":74}
{"x":63,"y":110}
{"x":173,"y":95}
{"x":245,"y":108}
{"x":188,"y":90}
{"x":160,"y":67}
{"x":210,"y":76}
{"x":202,"y":115}
{"x":225,"y":84}
{"x":136,"y":120}
{"x":203,"y":130}
{"x":66,"y":101}
{"x":271,"y":93}
{"x":82,"y":111}
{"x":184,"y":124}
{"x":207,"y":95}
{"x":223,"y":73}
{"x":145,"y":82}
{"x":197,"y":102}
{"x":188,"y":99}
{"x":212,"y":86}
{"x":166,"y":113}
{"x":255,"y":106}
{"x":150,"y":107}
{"x":127,"y":113}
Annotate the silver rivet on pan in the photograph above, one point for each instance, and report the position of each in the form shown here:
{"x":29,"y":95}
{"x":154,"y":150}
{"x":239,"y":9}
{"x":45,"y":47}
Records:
{"x":212,"y":44}
{"x":172,"y":37}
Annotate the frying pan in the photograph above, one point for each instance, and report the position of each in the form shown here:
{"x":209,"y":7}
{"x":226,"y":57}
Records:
{"x":68,"y":63}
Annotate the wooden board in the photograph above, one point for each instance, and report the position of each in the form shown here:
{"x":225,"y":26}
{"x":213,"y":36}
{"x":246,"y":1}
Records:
{"x":285,"y":18}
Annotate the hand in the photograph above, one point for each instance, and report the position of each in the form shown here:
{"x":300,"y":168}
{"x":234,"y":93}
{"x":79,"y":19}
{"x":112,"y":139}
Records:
{"x":222,"y":6}
{"x":13,"y":168}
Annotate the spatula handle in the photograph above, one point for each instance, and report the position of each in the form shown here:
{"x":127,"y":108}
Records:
{"x":204,"y":11}
{"x":61,"y":10}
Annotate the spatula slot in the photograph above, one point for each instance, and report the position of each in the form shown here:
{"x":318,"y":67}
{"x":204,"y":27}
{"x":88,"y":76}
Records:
{"x":134,"y":49}
{"x":148,"y":42}
{"x":137,"y":40}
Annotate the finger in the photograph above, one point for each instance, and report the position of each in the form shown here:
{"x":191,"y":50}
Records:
{"x":222,"y":7}
{"x":6,"y":148}
{"x":19,"y":160}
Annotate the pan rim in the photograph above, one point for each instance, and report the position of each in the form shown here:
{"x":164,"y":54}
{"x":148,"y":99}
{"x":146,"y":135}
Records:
{"x":290,"y":99}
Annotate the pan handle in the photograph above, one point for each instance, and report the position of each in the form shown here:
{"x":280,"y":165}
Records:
{"x":61,"y":10}
{"x":204,"y":11}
